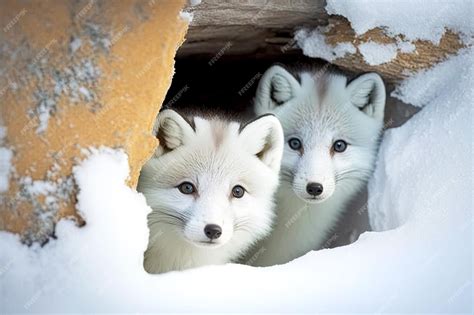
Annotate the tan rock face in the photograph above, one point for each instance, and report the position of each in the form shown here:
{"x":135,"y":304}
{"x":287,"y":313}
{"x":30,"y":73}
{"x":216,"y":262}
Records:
{"x":76,"y":75}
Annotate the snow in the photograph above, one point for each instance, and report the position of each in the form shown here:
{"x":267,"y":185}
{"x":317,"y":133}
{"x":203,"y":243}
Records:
{"x":75,"y":44}
{"x":39,"y":187}
{"x":425,"y":87}
{"x":76,"y":82}
{"x":405,"y":21}
{"x":186,"y":16}
{"x":3,"y":133}
{"x":420,"y":204}
{"x":416,"y":19}
{"x":317,"y":46}
{"x":313,"y":43}
{"x":377,"y":54}
{"x":405,"y":47}
{"x":440,"y":136}
{"x":5,"y":167}
{"x":6,"y":155}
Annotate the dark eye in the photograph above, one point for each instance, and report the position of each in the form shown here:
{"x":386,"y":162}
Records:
{"x":339,"y":146}
{"x":238,"y":191}
{"x":186,"y":188}
{"x":294,"y":143}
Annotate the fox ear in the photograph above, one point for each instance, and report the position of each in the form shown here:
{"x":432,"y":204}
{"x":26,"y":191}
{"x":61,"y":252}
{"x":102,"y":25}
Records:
{"x":263,"y":137}
{"x":172,"y":130}
{"x":367,"y":92}
{"x":276,"y":87}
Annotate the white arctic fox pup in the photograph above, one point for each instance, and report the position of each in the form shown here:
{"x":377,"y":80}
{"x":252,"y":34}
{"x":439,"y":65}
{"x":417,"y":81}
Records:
{"x":332,"y":128}
{"x":210,"y":185}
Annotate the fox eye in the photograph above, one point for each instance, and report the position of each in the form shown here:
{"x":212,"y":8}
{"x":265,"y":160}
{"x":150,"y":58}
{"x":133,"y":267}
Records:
{"x":295,"y":144}
{"x":186,"y":188}
{"x":238,"y":191}
{"x":339,"y":146}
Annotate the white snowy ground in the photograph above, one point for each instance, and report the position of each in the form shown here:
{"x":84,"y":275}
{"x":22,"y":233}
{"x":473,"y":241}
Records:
{"x":421,"y":190}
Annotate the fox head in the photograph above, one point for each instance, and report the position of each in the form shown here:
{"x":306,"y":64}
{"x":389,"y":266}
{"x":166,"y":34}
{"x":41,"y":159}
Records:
{"x":331,"y":127}
{"x":211,"y":182}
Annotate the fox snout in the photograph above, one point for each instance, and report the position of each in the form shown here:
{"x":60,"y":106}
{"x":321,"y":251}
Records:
{"x":314,"y":180}
{"x":314,"y":189}
{"x":207,"y":231}
{"x":212,"y":231}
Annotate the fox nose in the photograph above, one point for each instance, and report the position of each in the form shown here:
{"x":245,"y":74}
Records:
{"x":213,"y":231}
{"x":314,"y":189}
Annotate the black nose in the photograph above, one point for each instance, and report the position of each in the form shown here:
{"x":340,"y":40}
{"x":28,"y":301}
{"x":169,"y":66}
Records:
{"x":314,"y":189}
{"x":213,"y":231}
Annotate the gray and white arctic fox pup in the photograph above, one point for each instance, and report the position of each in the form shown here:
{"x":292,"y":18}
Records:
{"x":332,"y":127}
{"x":211,"y":186}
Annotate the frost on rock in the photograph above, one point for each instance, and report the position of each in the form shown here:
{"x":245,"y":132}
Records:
{"x":3,"y":133}
{"x":6,"y":155}
{"x":98,"y":37}
{"x":46,"y":197}
{"x":376,"y":54}
{"x":44,"y":109}
{"x":186,"y":16}
{"x":313,"y":43}
{"x":76,"y":82}
{"x":5,"y":168}
{"x":75,"y":44}
{"x":415,"y":19}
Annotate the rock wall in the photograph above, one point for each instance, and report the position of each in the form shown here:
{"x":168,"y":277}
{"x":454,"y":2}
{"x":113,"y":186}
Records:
{"x":76,"y":75}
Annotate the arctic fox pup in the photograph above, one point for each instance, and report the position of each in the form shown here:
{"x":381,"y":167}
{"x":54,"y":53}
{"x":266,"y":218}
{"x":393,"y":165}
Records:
{"x":332,"y":128}
{"x":210,"y":185}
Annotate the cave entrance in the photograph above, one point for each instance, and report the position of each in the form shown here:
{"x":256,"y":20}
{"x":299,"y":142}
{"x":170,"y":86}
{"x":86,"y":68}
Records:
{"x":228,"y":85}
{"x":219,"y":67}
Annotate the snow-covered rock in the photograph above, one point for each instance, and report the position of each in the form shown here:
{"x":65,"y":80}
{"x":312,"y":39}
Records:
{"x":416,"y":19}
{"x":313,"y":43}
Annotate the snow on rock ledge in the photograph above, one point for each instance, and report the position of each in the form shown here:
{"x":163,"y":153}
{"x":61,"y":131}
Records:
{"x":416,"y":20}
{"x":415,"y":35}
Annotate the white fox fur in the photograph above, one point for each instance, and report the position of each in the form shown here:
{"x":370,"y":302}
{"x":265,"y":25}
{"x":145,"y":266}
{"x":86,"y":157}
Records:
{"x":318,"y":107}
{"x":214,"y":155}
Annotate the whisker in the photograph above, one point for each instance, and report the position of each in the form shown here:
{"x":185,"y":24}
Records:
{"x":361,"y":174}
{"x":167,"y":216}
{"x":287,"y":175}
